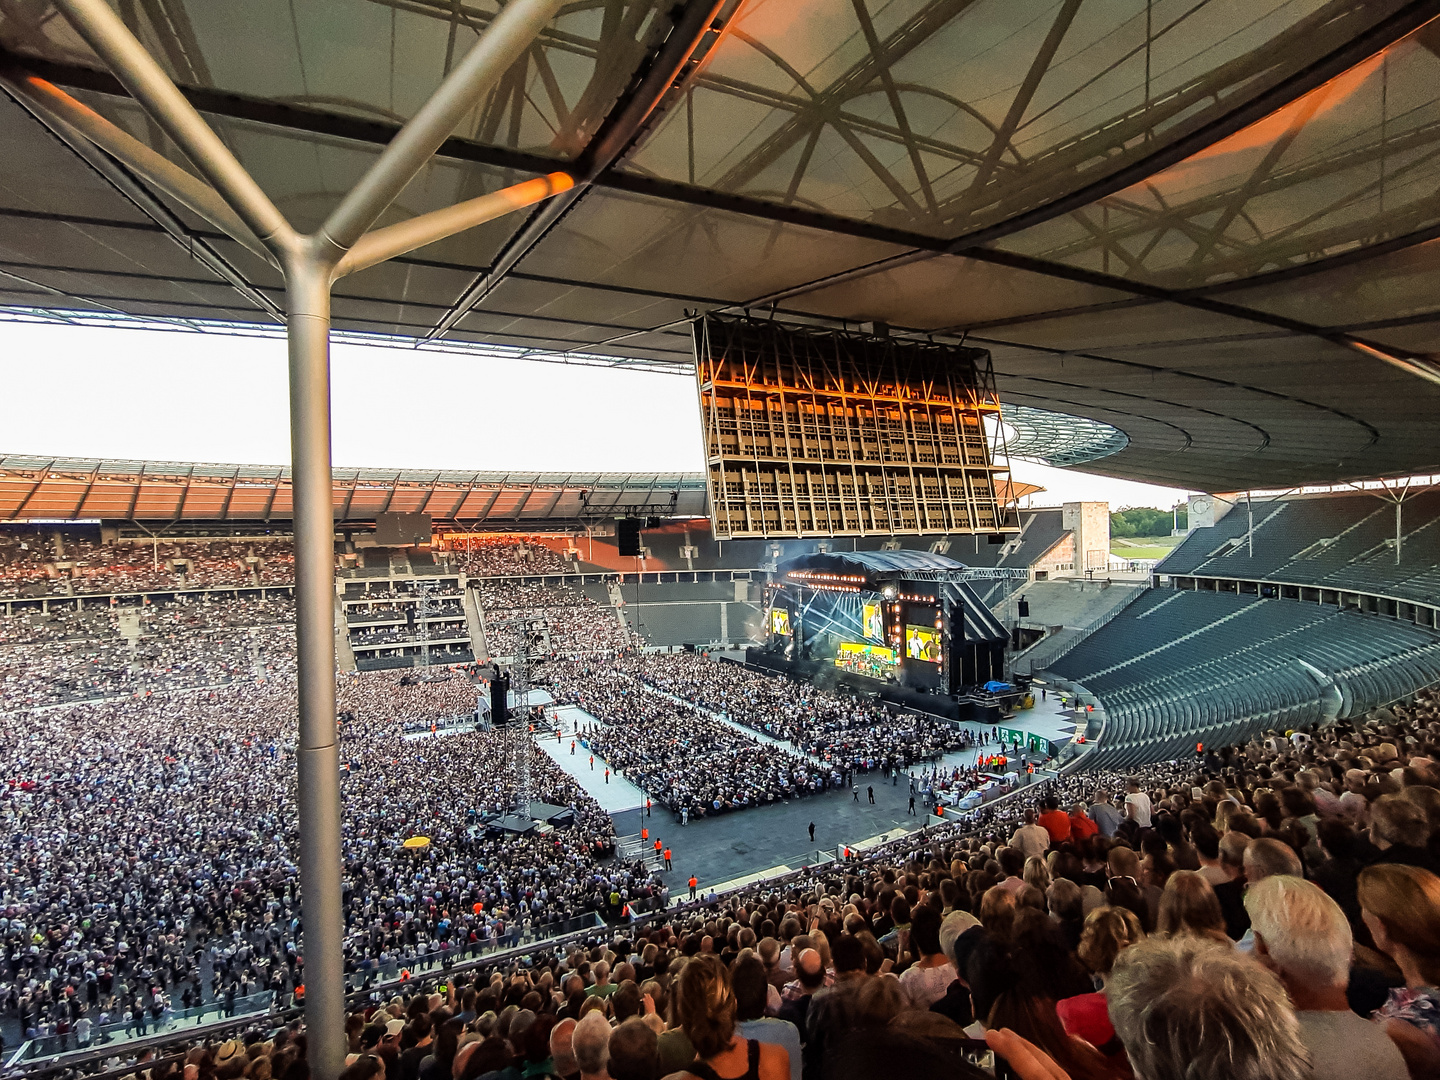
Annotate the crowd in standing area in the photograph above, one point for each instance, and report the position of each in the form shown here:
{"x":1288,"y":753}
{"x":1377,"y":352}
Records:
{"x":1272,"y":913}
{"x":687,"y":760}
{"x":837,"y":726}
{"x":150,"y":847}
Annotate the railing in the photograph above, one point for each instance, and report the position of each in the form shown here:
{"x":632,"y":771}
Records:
{"x":115,"y":1035}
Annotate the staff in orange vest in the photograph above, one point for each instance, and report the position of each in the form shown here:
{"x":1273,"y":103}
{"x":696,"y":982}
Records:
{"x":667,"y":858}
{"x":694,"y":881}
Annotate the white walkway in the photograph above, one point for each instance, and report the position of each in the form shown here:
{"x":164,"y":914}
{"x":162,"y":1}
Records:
{"x":615,"y":797}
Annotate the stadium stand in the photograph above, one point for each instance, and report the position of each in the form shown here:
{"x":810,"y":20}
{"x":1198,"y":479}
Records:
{"x":934,"y":948}
{"x":1179,"y":666}
{"x":39,"y":565}
{"x":1326,"y":541}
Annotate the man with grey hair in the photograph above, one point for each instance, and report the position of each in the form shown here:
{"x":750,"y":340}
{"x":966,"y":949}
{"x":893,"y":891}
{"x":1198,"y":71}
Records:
{"x":1268,"y":857}
{"x":1304,"y":938}
{"x":591,"y":1045}
{"x":1184,"y":1007}
{"x":1264,"y":858}
{"x":1399,"y":828}
{"x":633,"y":1051}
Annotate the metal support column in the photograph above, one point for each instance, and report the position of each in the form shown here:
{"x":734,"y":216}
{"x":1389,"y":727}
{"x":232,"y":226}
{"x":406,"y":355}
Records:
{"x":307,"y":280}
{"x":229,"y":197}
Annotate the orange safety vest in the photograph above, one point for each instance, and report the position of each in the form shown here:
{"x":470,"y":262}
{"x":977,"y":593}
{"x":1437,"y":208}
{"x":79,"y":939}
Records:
{"x":667,"y":853}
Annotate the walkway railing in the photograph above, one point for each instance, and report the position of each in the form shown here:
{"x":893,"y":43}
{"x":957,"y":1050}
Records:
{"x":1038,"y":657}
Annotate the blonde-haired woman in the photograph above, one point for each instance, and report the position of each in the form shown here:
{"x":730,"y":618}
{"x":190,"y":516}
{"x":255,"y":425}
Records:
{"x":1189,"y":906}
{"x":1401,"y":906}
{"x":706,"y":1009}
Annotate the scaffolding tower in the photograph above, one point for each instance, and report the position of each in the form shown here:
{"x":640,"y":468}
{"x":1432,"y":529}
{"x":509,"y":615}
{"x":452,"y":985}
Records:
{"x":531,"y":642}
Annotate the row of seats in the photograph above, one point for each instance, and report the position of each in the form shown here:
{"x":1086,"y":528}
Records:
{"x":1179,"y":667}
{"x":1335,"y":542}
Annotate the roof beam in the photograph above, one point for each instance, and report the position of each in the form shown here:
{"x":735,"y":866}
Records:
{"x":609,"y":144}
{"x":39,"y":483}
{"x":80,"y":503}
{"x":130,"y":189}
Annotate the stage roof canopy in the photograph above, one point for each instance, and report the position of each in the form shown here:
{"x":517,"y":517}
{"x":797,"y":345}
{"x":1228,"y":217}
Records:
{"x":873,"y":563}
{"x":1210,"y":225}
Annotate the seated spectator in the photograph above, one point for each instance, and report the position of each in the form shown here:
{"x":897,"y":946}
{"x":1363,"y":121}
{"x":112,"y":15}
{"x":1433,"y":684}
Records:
{"x":1303,"y":937}
{"x":1401,"y":832}
{"x":1186,"y":1008}
{"x":562,"y":1050}
{"x":590,"y":1043}
{"x":1030,"y":839}
{"x":1401,"y":906}
{"x":1231,"y":892}
{"x":1188,"y":906}
{"x":1082,"y":827}
{"x":1108,"y":932}
{"x":748,"y":980}
{"x":927,"y":979}
{"x":706,"y":1011}
{"x":1054,"y":820}
{"x":632,"y":1053}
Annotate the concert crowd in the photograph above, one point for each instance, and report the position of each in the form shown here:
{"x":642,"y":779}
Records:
{"x":1272,"y":912}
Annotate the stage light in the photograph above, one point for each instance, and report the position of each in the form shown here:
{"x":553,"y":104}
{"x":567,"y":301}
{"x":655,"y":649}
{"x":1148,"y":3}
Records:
{"x":889,"y":592}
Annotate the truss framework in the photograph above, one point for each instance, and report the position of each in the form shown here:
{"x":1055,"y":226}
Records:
{"x":814,"y":433}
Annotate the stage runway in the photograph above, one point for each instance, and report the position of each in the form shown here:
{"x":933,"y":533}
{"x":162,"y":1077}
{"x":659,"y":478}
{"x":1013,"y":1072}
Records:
{"x":615,"y":797}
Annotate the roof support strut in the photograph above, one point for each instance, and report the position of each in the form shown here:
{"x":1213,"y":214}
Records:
{"x":610,"y":142}
{"x":310,"y":264}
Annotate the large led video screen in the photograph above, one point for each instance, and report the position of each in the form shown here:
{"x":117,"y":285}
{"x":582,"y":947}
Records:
{"x":922,"y":643}
{"x":872,"y":621}
{"x":780,"y":622}
{"x":876,"y":661}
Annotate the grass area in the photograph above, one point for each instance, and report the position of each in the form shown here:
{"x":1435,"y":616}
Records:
{"x":1143,"y":547}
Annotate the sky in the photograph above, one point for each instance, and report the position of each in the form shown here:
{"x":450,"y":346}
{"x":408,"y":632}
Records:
{"x":84,"y":391}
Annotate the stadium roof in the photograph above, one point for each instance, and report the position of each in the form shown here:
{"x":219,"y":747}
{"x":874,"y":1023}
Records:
{"x":66,"y":489}
{"x":1210,"y":224}
{"x":69,"y":489}
{"x":872,"y":562}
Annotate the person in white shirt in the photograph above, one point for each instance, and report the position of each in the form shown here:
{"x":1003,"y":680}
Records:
{"x":1137,"y":805}
{"x":1030,"y":838}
